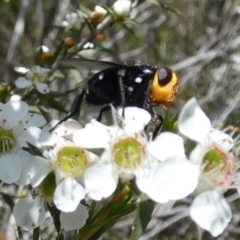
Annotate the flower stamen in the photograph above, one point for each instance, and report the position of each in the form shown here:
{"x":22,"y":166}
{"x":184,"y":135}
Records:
{"x":7,"y":141}
{"x":72,"y":160}
{"x":128,"y":153}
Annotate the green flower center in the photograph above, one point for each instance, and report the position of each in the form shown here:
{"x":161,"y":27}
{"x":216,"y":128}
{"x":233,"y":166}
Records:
{"x":39,"y":78}
{"x":72,"y":160}
{"x":7,"y":141}
{"x":217,"y":167}
{"x":48,"y":185}
{"x":128,"y":153}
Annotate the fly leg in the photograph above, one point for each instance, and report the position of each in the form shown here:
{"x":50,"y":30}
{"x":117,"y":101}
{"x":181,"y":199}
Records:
{"x":104,"y":109}
{"x":122,"y":94}
{"x":159,"y":123}
{"x":76,"y":109}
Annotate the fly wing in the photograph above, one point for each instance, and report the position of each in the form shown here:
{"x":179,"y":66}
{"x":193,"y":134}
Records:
{"x":88,"y":67}
{"x":81,"y":63}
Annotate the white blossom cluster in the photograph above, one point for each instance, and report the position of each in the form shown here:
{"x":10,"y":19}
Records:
{"x":68,"y":171}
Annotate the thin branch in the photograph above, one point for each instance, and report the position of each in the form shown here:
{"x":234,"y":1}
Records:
{"x":16,"y":38}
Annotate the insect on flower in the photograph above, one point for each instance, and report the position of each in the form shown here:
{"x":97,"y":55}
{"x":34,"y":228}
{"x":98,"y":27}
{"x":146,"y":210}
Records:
{"x":126,"y":84}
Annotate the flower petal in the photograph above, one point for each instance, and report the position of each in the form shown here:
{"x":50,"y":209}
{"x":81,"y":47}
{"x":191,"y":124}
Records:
{"x":135,"y":119}
{"x":35,"y":120}
{"x":100,"y":181}
{"x":144,"y":180}
{"x":197,"y":154}
{"x":30,"y":136}
{"x":173,"y":179}
{"x":71,"y":126}
{"x":10,"y":168}
{"x":122,"y":7}
{"x":42,"y":87}
{"x":74,"y":220}
{"x":68,"y":195}
{"x":193,"y":123}
{"x":219,"y":139}
{"x":14,"y":112}
{"x":94,"y":135}
{"x":167,"y":145}
{"x":21,"y":70}
{"x":29,"y":212}
{"x":22,"y":82}
{"x":39,"y":170}
{"x":215,"y":139}
{"x":26,"y":162}
{"x":211,"y":212}
{"x":48,"y":138}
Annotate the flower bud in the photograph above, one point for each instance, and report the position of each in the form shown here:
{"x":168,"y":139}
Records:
{"x":47,"y":57}
{"x":101,"y":11}
{"x":100,"y":37}
{"x":122,"y":8}
{"x":69,"y":42}
{"x":94,"y":17}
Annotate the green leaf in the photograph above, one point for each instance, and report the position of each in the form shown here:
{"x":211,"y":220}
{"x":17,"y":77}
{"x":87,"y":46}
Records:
{"x":36,"y":233}
{"x":33,"y":150}
{"x":154,"y":2}
{"x":92,"y":210}
{"x":169,"y":124}
{"x":8,"y":200}
{"x":121,"y":205}
{"x":112,"y":221}
{"x":142,"y":219}
{"x":76,"y":75}
{"x":55,"y":213}
{"x":174,"y":10}
{"x":33,"y":109}
{"x":59,"y":49}
{"x":57,"y":105}
{"x":58,"y":74}
{"x":45,"y":114}
{"x":60,"y":237}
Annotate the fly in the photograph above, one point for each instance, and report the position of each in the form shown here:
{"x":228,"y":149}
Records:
{"x":126,"y":84}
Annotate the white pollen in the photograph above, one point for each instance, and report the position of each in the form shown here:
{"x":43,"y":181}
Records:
{"x":121,"y":72}
{"x":130,"y":89}
{"x":101,"y":75}
{"x":138,"y":80}
{"x":147,"y":71}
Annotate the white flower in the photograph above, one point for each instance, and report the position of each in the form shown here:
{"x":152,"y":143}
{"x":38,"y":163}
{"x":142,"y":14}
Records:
{"x":30,"y":212}
{"x":128,"y":154}
{"x":122,"y":8}
{"x":213,"y":151}
{"x":21,"y":70}
{"x":43,"y":49}
{"x":15,"y":97}
{"x":68,"y":161}
{"x":16,"y":131}
{"x":218,"y":168}
{"x":88,"y":50}
{"x":124,"y":151}
{"x":72,"y":21}
{"x":211,"y":212}
{"x":173,"y":179}
{"x":176,"y":177}
{"x":35,"y":77}
{"x":74,"y":220}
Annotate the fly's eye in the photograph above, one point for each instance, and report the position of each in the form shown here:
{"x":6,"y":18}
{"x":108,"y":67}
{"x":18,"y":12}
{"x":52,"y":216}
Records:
{"x":164,"y":76}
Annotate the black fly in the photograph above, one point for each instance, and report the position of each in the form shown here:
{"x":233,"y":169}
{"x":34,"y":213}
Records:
{"x":126,"y":84}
